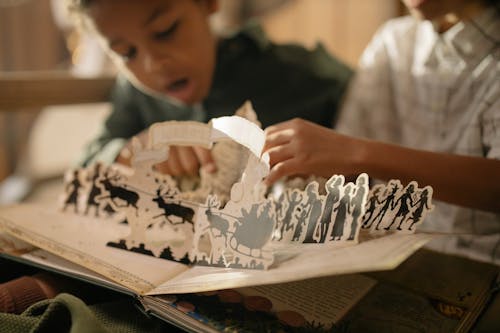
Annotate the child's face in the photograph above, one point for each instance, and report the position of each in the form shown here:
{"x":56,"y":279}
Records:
{"x":166,"y":45}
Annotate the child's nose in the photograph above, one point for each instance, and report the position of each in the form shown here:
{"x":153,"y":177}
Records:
{"x":155,"y":62}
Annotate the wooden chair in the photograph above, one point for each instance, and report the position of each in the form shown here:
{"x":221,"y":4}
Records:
{"x":32,"y":92}
{"x":25,"y":90}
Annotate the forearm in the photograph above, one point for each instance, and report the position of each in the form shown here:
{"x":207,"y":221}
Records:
{"x":462,"y":180}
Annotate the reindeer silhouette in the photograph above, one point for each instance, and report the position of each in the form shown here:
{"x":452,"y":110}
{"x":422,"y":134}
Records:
{"x":173,"y":209}
{"x":215,"y":220}
{"x":118,"y":192}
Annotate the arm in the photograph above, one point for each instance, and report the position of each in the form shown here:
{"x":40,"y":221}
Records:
{"x":462,"y":180}
{"x":300,"y":147}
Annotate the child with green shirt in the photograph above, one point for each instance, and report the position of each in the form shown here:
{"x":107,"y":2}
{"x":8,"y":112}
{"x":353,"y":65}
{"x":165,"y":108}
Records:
{"x":174,"y":68}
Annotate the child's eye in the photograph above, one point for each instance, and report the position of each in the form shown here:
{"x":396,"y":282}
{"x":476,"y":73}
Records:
{"x":129,"y":54}
{"x":165,"y":34}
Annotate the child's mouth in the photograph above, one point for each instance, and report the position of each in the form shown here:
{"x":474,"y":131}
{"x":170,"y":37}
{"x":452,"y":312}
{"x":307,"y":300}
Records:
{"x":178,"y":85}
{"x":181,"y":89}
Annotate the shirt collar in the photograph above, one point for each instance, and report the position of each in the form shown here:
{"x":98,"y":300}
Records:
{"x":463,"y":43}
{"x":473,"y":40}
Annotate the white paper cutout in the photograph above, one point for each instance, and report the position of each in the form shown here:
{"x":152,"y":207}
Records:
{"x":308,"y":217}
{"x":394,"y":207}
{"x":232,"y":223}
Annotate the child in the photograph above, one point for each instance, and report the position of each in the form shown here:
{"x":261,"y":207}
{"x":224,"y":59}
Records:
{"x":180,"y":71}
{"x":426,"y":102}
{"x":173,"y":68}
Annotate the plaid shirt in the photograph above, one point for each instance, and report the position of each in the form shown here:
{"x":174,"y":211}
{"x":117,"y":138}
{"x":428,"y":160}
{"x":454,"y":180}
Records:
{"x":440,"y":93}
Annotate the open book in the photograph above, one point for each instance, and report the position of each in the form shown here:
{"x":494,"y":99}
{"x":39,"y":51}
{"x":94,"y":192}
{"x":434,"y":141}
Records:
{"x":228,"y":233}
{"x":423,"y":294}
{"x":83,"y":240}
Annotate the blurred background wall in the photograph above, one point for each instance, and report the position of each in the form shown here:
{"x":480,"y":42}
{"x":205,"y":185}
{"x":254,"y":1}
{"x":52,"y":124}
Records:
{"x":343,"y":26}
{"x":30,"y":40}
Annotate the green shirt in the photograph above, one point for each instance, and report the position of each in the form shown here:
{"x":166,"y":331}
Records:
{"x":66,"y":313}
{"x":281,"y":81}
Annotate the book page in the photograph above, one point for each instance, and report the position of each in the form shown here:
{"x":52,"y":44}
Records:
{"x":322,"y":300}
{"x":310,"y":305}
{"x":389,"y":308}
{"x":13,"y":246}
{"x":379,"y":254}
{"x":435,"y":274}
{"x":51,"y":262}
{"x":82,"y":240}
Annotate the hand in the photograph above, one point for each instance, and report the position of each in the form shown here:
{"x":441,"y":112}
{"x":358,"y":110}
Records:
{"x":299,"y":147}
{"x":182,"y":160}
{"x":186,"y":161}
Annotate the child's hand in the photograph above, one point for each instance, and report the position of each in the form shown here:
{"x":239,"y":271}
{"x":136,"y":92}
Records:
{"x":181,"y":160}
{"x":186,"y":161}
{"x":299,"y":147}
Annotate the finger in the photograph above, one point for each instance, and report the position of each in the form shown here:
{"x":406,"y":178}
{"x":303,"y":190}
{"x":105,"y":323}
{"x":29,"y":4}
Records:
{"x":279,"y":154}
{"x":282,"y":169}
{"x":173,"y":162}
{"x":205,"y":158}
{"x":188,"y":160}
{"x":278,"y":127}
{"x":163,"y":168}
{"x":278,"y":138}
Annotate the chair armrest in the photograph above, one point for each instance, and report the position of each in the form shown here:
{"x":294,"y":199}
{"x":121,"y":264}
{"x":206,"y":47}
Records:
{"x":23,"y":90}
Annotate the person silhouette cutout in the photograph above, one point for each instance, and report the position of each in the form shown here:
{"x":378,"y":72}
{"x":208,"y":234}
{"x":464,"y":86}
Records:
{"x":388,"y":203}
{"x":314,"y":204}
{"x":342,"y":209}
{"x":405,"y":201}
{"x":73,"y":189}
{"x":422,"y":203}
{"x":373,"y":202}
{"x":358,"y":203}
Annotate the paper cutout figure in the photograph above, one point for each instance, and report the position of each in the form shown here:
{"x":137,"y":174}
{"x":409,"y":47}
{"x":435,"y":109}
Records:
{"x":231,"y":222}
{"x":358,"y":205}
{"x":235,"y":238}
{"x":172,"y":209}
{"x":94,"y":190}
{"x":423,"y":207}
{"x":392,"y":206}
{"x":72,"y":190}
{"x":333,"y":196}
